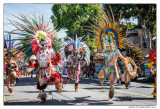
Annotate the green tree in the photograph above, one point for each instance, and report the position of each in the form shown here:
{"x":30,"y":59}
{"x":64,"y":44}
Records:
{"x":145,"y":13}
{"x":90,"y":42}
{"x":72,"y":17}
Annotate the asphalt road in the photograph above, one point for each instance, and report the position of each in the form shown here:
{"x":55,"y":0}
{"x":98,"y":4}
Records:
{"x":90,"y":93}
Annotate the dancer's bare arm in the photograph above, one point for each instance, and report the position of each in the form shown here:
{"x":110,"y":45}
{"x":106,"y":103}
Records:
{"x":120,"y":56}
{"x":100,"y":54}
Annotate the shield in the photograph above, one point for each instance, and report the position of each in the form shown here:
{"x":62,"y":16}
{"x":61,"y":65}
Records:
{"x":131,"y":67}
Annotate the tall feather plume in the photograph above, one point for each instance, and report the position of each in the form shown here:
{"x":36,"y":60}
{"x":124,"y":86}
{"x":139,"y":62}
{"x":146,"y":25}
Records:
{"x":26,"y":28}
{"x":106,"y":21}
{"x":69,"y":41}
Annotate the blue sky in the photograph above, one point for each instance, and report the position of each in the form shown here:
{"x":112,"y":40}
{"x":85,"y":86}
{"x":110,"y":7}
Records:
{"x":27,"y":9}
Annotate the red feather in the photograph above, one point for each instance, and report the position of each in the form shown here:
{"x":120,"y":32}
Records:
{"x":35,"y":46}
{"x":56,"y":78}
{"x":58,"y":57}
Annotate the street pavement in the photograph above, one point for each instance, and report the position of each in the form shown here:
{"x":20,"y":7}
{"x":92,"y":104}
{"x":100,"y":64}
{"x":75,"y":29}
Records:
{"x":90,"y":92}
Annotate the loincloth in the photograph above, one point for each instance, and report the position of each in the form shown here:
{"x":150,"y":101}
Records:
{"x":108,"y":70}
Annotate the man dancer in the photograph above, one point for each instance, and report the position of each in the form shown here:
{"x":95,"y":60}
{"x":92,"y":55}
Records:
{"x":110,"y":68}
{"x":104,"y":29}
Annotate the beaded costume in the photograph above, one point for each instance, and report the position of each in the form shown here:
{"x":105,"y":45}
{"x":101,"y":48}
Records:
{"x":152,"y":67}
{"x":108,"y":57}
{"x":12,"y":73}
{"x":38,"y":43}
{"x":108,"y":34}
{"x":77,"y":55}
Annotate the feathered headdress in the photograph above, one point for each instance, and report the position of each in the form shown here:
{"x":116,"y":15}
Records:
{"x":105,"y":26}
{"x":32,"y":31}
{"x":107,"y":32}
{"x":69,"y":45}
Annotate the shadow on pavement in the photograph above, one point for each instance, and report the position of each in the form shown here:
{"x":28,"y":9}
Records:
{"x":144,"y":87}
{"x":129,"y":98}
{"x":91,"y":88}
{"x":25,"y":81}
{"x":77,"y":101}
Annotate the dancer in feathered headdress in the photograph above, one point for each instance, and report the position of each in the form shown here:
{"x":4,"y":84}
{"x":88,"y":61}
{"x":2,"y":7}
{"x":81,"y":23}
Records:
{"x":37,"y":43}
{"x":12,"y":72}
{"x":77,"y":55}
{"x":152,"y":67}
{"x":109,"y":38}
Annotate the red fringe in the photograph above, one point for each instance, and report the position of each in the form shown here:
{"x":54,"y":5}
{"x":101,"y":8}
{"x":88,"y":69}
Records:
{"x":56,"y":78}
{"x":57,"y":59}
{"x":35,"y":46}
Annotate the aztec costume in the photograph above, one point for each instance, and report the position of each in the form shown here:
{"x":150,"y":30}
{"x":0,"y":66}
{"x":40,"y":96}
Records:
{"x":152,"y":67}
{"x":12,"y":72}
{"x":77,"y":55}
{"x":108,"y":34}
{"x":38,"y":42}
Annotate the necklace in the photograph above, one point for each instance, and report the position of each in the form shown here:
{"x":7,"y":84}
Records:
{"x":109,"y":55}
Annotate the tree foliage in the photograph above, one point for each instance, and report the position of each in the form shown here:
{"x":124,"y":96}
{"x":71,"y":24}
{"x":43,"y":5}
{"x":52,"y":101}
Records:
{"x":72,"y":17}
{"x":145,"y":13}
{"x":90,"y":42}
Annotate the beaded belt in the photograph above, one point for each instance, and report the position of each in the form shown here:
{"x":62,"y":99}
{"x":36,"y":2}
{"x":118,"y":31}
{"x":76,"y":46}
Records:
{"x":112,"y":67}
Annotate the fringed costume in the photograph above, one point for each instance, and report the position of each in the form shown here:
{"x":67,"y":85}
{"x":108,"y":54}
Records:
{"x":152,"y":67}
{"x":38,"y":43}
{"x":77,"y":55}
{"x":12,"y":72}
{"x":109,"y":39}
